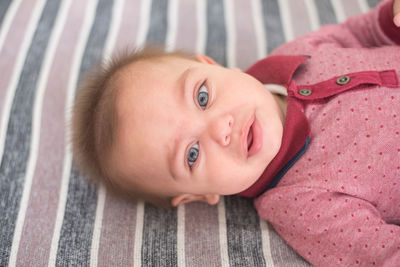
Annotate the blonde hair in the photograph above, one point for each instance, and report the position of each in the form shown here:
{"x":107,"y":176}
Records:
{"x":94,"y":122}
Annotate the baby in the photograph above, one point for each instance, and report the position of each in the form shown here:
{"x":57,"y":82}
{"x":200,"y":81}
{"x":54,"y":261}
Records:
{"x":321,"y":156}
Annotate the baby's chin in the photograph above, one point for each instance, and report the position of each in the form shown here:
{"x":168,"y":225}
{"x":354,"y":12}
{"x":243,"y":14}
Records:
{"x":250,"y":180}
{"x":271,"y":147}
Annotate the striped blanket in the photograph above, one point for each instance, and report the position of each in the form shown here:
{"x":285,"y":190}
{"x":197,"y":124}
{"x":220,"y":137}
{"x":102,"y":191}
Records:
{"x":49,"y":214}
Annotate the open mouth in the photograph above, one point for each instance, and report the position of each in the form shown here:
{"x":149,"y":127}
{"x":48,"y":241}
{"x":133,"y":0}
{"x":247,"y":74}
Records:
{"x":254,"y":138}
{"x":250,"y":138}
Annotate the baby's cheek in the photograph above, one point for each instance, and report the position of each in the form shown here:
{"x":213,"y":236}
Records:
{"x":218,"y":173}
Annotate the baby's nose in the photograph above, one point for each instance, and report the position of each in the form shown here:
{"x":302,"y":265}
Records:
{"x":221,"y":129}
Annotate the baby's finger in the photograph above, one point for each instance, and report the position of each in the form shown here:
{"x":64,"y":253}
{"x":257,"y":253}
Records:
{"x":396,"y":12}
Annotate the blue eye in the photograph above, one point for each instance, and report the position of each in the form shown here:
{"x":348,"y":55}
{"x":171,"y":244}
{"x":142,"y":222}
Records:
{"x":202,"y":96}
{"x":193,"y":154}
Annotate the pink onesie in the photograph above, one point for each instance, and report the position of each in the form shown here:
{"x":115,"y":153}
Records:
{"x":333,"y":190}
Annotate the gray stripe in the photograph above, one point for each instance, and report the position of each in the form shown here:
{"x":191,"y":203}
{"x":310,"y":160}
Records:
{"x":243,"y":233}
{"x":373,"y":3}
{"x":216,"y":32}
{"x":326,"y":13}
{"x":281,"y":253}
{"x":77,"y":229}
{"x":97,"y":37}
{"x":4,"y":5}
{"x":159,"y":237}
{"x":158,"y":23}
{"x":272,"y":24}
{"x":18,"y":137}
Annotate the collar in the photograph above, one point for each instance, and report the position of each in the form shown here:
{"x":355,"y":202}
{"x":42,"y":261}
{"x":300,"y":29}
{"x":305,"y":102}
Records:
{"x":296,"y":129}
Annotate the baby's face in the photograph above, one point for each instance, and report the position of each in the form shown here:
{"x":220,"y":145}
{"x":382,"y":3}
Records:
{"x":193,"y":127}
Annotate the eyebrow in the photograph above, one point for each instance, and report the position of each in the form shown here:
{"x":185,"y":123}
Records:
{"x":182,"y":96}
{"x":172,"y":159}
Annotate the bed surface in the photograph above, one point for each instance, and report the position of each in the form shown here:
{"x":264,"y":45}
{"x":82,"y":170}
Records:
{"x":49,"y":214}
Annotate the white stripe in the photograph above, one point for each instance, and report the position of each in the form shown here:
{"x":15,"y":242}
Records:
{"x":19,"y":63}
{"x":266,"y":248}
{"x":113,"y":31}
{"x":312,"y":14}
{"x":94,"y":250}
{"x":137,"y":253}
{"x":172,"y":25}
{"x":229,"y":9}
{"x":181,"y":235}
{"x":339,"y":10}
{"x":259,"y":28}
{"x":36,"y":122}
{"x":72,"y":82}
{"x":201,"y":14}
{"x":284,"y":8}
{"x":223,"y":239}
{"x":108,"y":47}
{"x":364,"y":7}
{"x":145,"y":10}
{"x":5,"y":27}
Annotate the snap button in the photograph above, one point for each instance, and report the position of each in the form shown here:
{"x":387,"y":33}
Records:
{"x":343,"y":80}
{"x":305,"y":92}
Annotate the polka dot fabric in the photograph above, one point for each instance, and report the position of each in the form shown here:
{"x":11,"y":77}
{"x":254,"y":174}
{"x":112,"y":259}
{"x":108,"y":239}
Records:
{"x":339,"y":205}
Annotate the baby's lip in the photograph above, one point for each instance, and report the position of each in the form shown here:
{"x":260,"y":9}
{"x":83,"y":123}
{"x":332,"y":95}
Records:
{"x":244,"y":135}
{"x":257,"y":139}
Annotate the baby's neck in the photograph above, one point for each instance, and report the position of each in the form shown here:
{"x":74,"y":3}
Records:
{"x":282,"y":103}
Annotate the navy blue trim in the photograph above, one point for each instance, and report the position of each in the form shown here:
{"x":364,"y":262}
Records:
{"x":288,"y":165}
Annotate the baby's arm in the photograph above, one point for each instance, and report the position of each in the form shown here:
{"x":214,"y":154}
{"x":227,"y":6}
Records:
{"x":396,"y":12}
{"x":373,"y":29}
{"x":331,"y":229}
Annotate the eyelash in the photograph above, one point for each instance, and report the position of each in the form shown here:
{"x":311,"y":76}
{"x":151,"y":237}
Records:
{"x":199,"y":90}
{"x":196,"y":147}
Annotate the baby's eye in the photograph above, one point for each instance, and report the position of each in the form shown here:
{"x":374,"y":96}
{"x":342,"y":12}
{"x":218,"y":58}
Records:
{"x":193,"y":154}
{"x":202,"y":96}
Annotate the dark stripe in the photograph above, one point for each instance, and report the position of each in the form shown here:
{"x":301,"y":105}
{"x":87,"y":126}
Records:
{"x":4,"y":5}
{"x":159,"y":237}
{"x":158,"y":23}
{"x":326,"y":14}
{"x":216,"y":32}
{"x":373,"y":3}
{"x":272,"y":24}
{"x":18,"y":137}
{"x":77,"y":229}
{"x":243,"y":233}
{"x":94,"y":48}
{"x":281,"y":253}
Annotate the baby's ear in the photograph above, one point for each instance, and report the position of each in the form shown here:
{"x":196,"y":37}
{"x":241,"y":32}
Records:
{"x":211,"y":199}
{"x":205,"y":59}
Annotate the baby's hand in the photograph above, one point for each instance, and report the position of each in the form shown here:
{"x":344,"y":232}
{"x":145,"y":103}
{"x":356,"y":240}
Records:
{"x":396,"y":12}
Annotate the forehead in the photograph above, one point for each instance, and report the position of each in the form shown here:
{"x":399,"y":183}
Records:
{"x":146,"y":102}
{"x":145,"y":86}
{"x":154,"y":65}
{"x":150,"y":77}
